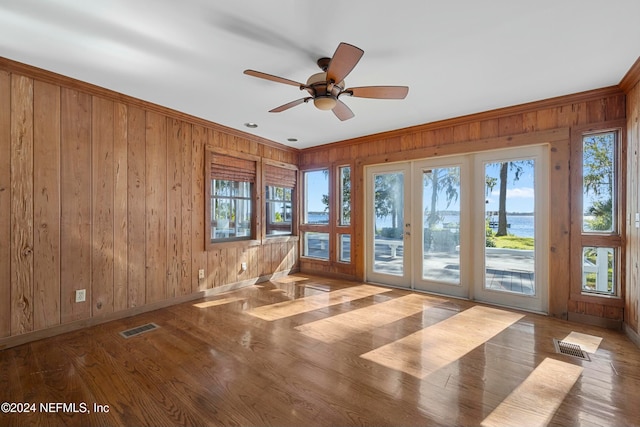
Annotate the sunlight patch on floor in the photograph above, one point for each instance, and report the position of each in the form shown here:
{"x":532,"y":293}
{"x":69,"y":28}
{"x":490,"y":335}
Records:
{"x":436,"y":346}
{"x":289,"y":279}
{"x":367,"y":319}
{"x":216,"y":302}
{"x":588,"y":343}
{"x":314,"y":302}
{"x":536,"y":399}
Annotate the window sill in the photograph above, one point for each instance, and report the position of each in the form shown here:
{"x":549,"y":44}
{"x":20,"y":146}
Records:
{"x":609,"y":300}
{"x":279,"y":239}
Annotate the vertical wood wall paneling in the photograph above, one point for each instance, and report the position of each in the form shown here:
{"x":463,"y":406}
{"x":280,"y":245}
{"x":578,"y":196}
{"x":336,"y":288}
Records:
{"x":174,"y":205}
{"x":75,"y":197}
{"x":120,"y":206}
{"x":46,"y":201}
{"x":231,"y":265}
{"x":156,"y":207}
{"x":21,"y":205}
{"x":632,"y":301}
{"x":5,"y":204}
{"x":102,"y":197}
{"x":198,"y":251}
{"x":136,"y":207}
{"x":252,"y":261}
{"x":243,"y":256}
{"x":559,"y":228}
{"x":635,"y":143}
{"x":91,"y":193}
{"x":213,"y":268}
{"x":186,"y":271}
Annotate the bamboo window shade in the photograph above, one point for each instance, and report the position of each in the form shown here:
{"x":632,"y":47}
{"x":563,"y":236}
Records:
{"x":279,"y":177}
{"x":232,"y":168}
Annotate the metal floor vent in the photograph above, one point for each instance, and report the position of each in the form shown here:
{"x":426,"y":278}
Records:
{"x":570,"y":349}
{"x":139,"y":330}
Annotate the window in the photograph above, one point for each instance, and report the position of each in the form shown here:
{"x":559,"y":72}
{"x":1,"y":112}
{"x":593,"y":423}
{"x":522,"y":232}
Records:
{"x":600,"y":226}
{"x":279,"y":211}
{"x":344,"y":176}
{"x":316,"y":245}
{"x":315,"y":222}
{"x":598,"y":268}
{"x":279,"y":194}
{"x":316,"y":197}
{"x":599,"y":183}
{"x":326,"y":228}
{"x":344,"y":247}
{"x":230,"y":203}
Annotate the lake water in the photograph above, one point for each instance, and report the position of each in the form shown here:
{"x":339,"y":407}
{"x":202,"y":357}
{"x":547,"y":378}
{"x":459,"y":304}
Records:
{"x":520,"y":225}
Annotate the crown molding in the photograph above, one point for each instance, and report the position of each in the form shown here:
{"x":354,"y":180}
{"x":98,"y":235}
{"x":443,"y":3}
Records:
{"x":632,"y":77}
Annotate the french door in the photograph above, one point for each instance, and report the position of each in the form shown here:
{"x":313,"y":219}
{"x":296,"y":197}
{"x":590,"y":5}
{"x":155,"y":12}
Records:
{"x":471,"y":226}
{"x":388,"y":234}
{"x":515,"y":273}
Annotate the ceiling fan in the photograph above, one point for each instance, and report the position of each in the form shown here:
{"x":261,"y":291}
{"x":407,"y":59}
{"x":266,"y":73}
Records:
{"x":328,"y":86}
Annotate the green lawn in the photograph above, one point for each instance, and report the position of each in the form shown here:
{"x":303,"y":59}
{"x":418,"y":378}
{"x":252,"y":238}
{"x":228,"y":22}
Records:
{"x":514,"y":242}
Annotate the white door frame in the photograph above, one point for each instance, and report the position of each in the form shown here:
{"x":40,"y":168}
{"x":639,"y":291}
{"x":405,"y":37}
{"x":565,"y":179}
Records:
{"x":538,"y":302}
{"x":462,"y":288}
{"x":405,"y":280}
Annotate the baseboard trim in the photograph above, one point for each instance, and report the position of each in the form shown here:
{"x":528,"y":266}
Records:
{"x":633,"y":335}
{"x":595,"y":321}
{"x":28,"y":337}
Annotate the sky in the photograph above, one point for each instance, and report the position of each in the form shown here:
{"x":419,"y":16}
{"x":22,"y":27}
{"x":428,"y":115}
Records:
{"x":520,"y":194}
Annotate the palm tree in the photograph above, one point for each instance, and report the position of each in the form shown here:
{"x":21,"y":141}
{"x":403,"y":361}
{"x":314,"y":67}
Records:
{"x":518,"y":168}
{"x":443,"y":179}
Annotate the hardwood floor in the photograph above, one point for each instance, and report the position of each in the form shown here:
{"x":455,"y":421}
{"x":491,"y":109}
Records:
{"x":307,"y":351}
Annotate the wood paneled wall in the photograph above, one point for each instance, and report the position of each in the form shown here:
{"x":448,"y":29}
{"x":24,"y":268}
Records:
{"x":631,"y":86}
{"x":103,"y":192}
{"x":545,"y":122}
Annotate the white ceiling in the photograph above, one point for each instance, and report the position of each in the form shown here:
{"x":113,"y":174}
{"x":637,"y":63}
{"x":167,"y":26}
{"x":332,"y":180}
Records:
{"x":457,"y":56}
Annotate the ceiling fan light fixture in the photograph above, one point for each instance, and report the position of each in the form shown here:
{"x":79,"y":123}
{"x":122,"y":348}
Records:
{"x":326,"y":87}
{"x":325,"y":102}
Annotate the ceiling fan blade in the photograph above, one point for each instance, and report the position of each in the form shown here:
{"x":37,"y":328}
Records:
{"x":272,"y":78}
{"x":379,"y":92}
{"x":342,"y":111}
{"x":344,"y":60}
{"x":289,"y":105}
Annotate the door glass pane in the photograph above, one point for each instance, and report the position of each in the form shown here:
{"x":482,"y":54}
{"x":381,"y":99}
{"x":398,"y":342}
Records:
{"x":597,"y":270}
{"x":389,"y":223}
{"x":510,"y":226}
{"x":441,"y":224}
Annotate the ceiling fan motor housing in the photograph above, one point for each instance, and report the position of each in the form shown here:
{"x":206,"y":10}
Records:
{"x":324,"y":93}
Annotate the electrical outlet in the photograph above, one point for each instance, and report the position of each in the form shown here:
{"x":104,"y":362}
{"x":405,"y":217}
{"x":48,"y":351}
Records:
{"x":81,"y":295}
{"x":201,"y":273}
{"x":243,"y":266}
